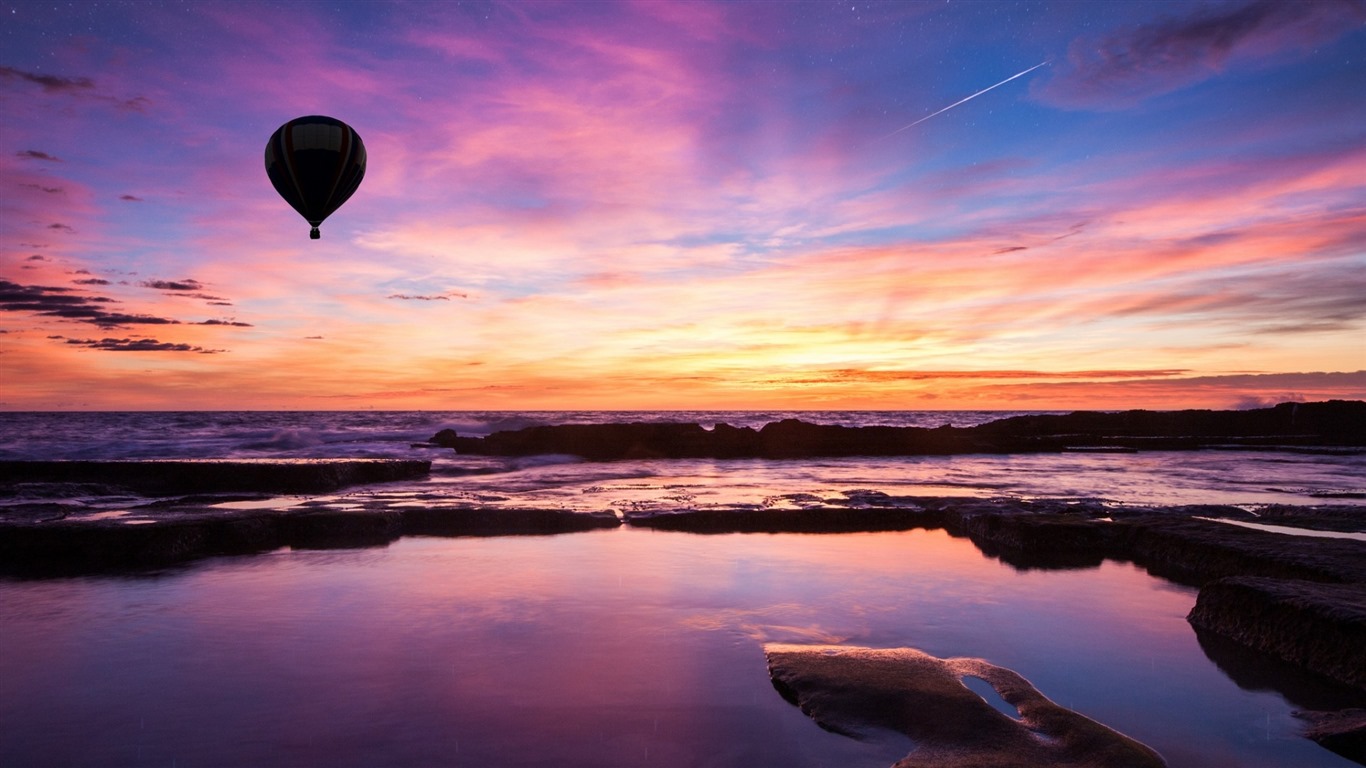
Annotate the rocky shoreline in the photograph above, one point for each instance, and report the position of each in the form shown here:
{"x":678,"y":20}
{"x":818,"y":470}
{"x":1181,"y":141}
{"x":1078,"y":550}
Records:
{"x":1296,"y":600}
{"x":1325,"y":426}
{"x":1264,"y":590}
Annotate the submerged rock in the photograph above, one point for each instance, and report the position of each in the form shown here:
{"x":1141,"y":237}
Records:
{"x":854,"y":691}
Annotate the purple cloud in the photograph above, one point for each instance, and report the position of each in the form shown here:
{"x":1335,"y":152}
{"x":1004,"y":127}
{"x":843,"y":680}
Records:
{"x":75,"y":86}
{"x":49,"y":83}
{"x":141,"y":345}
{"x":54,"y":301}
{"x":187,"y":284}
{"x":33,"y":154}
{"x":1149,"y":60}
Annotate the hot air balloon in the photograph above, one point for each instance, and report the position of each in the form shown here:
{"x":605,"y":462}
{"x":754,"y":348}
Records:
{"x":315,"y":163}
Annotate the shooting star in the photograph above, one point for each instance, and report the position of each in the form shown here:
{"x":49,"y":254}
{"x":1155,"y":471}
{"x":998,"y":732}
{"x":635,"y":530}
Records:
{"x":970,"y":98}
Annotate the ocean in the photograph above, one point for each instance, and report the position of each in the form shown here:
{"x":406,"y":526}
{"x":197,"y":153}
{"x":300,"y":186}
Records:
{"x":618,"y":647}
{"x":1148,"y":478}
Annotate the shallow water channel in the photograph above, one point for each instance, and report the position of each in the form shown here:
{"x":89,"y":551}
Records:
{"x":624,"y":647}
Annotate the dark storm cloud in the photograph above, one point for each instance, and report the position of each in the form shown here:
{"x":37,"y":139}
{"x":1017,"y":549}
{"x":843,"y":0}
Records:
{"x":1141,"y":62}
{"x":232,"y":323}
{"x":69,"y":304}
{"x":33,"y":154}
{"x":141,"y":345}
{"x":36,"y":257}
{"x":186,"y":284}
{"x":49,"y":83}
{"x":91,"y":281}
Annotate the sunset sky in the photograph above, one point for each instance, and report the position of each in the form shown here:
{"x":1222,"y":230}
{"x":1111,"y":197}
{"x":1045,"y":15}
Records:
{"x":687,"y":205}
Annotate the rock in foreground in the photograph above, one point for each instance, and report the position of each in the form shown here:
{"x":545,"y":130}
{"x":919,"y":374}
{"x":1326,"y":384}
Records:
{"x":58,"y":547}
{"x":853,"y":690}
{"x":1321,"y":627}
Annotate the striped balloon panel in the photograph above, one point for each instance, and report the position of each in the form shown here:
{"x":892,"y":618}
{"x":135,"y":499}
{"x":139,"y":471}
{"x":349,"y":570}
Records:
{"x":316,"y":163}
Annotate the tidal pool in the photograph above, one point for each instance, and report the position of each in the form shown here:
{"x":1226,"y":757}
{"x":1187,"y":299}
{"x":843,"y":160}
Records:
{"x":624,"y":647}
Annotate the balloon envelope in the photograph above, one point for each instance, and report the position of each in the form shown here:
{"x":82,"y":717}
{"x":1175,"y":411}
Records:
{"x":315,"y":163}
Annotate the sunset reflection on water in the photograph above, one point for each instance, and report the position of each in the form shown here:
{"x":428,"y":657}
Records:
{"x":621,"y":647}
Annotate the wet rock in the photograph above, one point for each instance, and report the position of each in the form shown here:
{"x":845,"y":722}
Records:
{"x":174,"y":477}
{"x":854,"y":691}
{"x":1342,"y":731}
{"x":1199,"y":551}
{"x":59,"y":547}
{"x":446,"y":438}
{"x":1320,"y":627}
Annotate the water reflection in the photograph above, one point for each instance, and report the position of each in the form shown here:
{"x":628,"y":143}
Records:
{"x":621,"y":647}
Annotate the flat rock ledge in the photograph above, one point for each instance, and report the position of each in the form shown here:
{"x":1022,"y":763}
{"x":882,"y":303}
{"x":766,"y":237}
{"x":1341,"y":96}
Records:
{"x":172,"y":477}
{"x":856,"y":691}
{"x":1315,"y":625}
{"x":62,"y":547}
{"x":1335,"y":425}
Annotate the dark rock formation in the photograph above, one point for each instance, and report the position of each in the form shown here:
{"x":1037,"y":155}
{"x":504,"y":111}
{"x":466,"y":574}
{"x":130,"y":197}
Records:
{"x":1321,"y":627}
{"x":1344,"y":731}
{"x":172,"y":477}
{"x":446,"y":438}
{"x":86,"y":546}
{"x":1334,"y":424}
{"x":856,"y":690}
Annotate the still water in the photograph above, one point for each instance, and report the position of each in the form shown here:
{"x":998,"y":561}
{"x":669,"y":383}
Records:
{"x":624,"y":647}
